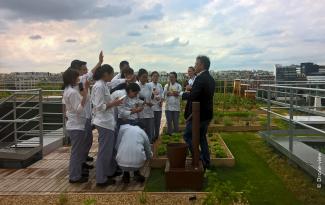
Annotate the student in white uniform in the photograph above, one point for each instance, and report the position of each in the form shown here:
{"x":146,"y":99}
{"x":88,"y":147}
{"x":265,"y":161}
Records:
{"x":81,"y":66}
{"x":103,"y":119}
{"x":133,"y":150}
{"x":147,"y":115}
{"x":172,"y":96}
{"x":191,"y":75}
{"x":75,"y":102}
{"x":157,"y":91}
{"x":129,"y":111}
{"x":120,"y":77}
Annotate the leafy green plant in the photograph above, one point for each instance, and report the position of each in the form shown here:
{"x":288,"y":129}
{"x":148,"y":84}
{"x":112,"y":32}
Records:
{"x":223,"y":193}
{"x":162,"y":150}
{"x":143,"y":198}
{"x":227,"y":121}
{"x":90,"y":202}
{"x":63,"y":199}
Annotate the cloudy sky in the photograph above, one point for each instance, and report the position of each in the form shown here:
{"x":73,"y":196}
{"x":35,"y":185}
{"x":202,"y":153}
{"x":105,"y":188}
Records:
{"x":45,"y":35}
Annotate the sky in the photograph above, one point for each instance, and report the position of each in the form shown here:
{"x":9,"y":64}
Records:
{"x":46,"y":35}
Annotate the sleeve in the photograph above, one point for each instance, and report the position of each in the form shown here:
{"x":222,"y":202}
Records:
{"x":75,"y":101}
{"x":98,"y":100}
{"x":124,"y":111}
{"x":115,"y":82}
{"x":87,"y":76}
{"x":197,"y":88}
{"x":179,"y":88}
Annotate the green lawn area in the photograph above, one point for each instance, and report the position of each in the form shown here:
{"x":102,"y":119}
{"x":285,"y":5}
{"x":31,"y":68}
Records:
{"x":272,"y":181}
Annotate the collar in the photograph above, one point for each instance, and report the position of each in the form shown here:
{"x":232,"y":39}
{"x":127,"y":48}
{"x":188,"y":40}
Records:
{"x":201,"y":72}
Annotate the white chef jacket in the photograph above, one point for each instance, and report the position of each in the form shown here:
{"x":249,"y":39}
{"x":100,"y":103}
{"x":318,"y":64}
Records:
{"x":75,"y":112}
{"x":173,"y":102}
{"x":133,"y":147}
{"x":155,"y":101}
{"x":146,"y":92}
{"x":102,"y":116}
{"x":124,"y":110}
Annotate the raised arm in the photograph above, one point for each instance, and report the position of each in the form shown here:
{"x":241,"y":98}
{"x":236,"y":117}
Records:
{"x":100,"y":61}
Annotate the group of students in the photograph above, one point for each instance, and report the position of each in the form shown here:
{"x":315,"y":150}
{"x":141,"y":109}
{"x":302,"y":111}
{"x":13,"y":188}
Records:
{"x":125,"y":109}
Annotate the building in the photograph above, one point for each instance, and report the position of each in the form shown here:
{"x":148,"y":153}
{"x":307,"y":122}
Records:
{"x":286,"y":73}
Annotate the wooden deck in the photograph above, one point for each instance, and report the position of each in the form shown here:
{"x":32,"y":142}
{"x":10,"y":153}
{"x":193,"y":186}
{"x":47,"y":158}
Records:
{"x":50,"y":175}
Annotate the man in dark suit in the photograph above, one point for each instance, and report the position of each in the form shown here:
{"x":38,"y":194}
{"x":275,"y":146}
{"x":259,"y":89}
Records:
{"x":202,"y":91}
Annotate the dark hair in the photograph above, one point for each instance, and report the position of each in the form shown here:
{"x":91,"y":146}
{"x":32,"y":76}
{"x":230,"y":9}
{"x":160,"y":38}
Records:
{"x":128,"y":71}
{"x":122,"y":63}
{"x":173,"y":73}
{"x":154,"y":72}
{"x":69,"y":77}
{"x":99,"y":73}
{"x":205,"y":60}
{"x":134,"y":87}
{"x":142,"y":71}
{"x":192,"y":68}
{"x":76,"y":64}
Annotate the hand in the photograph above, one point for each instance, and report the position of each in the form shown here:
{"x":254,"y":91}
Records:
{"x":188,"y":88}
{"x":115,"y":103}
{"x":149,"y":104}
{"x":101,"y":57}
{"x":160,"y":103}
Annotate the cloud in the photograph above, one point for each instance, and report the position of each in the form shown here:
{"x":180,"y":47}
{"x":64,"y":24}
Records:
{"x":133,"y":33}
{"x":40,"y":10}
{"x":176,"y":42}
{"x":70,"y":40}
{"x":247,"y":50}
{"x":35,"y":37}
{"x":267,"y":33}
{"x":155,"y":13}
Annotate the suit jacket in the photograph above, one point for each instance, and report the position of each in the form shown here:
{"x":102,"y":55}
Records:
{"x":202,"y":91}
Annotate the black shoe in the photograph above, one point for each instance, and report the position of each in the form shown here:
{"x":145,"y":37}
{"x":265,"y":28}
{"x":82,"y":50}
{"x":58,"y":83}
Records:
{"x":89,"y":159}
{"x":138,"y":177}
{"x":116,"y":174}
{"x":126,"y":177}
{"x":107,"y":183}
{"x":81,"y":180}
{"x":87,"y":166}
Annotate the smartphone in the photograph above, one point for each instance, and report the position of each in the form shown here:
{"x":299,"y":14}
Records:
{"x":81,"y":87}
{"x":122,"y":97}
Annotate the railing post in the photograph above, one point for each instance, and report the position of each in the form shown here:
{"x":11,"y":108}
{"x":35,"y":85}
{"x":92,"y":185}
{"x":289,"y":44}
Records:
{"x":195,"y":133}
{"x":269,"y":110}
{"x":14,"y":104}
{"x":291,"y":121}
{"x":40,"y":106}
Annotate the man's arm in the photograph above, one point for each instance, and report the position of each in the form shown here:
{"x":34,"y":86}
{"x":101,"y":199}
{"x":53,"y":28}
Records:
{"x":197,"y":88}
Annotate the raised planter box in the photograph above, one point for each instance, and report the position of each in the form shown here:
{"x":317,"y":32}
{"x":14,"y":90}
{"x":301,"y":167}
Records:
{"x":234,"y":128}
{"x":228,"y":161}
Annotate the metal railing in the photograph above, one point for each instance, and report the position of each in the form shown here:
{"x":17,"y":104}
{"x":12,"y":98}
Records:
{"x":23,"y":121}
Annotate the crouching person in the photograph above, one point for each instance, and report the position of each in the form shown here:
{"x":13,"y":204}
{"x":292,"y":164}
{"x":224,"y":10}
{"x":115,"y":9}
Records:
{"x":75,"y":101}
{"x":133,"y":149}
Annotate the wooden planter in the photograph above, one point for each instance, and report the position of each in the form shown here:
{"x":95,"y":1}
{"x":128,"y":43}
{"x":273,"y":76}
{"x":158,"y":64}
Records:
{"x":229,"y":161}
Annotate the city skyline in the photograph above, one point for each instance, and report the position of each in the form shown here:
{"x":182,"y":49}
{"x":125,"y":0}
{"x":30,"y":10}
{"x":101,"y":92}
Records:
{"x":45,"y":36}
